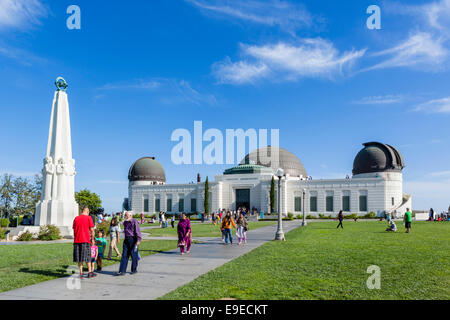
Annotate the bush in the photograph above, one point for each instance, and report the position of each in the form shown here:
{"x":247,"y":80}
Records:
{"x":26,"y":236}
{"x":351,"y":216}
{"x":370,"y":215}
{"x":299,"y":216}
{"x":104,"y":226}
{"x":3,"y":233}
{"x":290,"y":215}
{"x":13,"y":221}
{"x":48,"y":233}
{"x":309,"y":216}
{"x":4,"y":223}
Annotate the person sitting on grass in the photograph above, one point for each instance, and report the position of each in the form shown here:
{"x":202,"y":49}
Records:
{"x":100,"y":241}
{"x":94,"y":255}
{"x":392,"y":226}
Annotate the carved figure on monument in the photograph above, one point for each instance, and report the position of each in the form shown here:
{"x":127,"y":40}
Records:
{"x":47,"y":174}
{"x":60,"y":177}
{"x":71,"y":176}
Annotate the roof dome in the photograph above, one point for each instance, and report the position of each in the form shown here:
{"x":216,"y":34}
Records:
{"x":377,"y":157}
{"x":147,"y":169}
{"x":286,"y":160}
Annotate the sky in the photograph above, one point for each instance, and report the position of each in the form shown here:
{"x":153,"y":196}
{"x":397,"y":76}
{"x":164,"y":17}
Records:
{"x":312,"y":69}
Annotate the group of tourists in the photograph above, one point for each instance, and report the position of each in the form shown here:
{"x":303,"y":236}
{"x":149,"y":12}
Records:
{"x":443,"y":216}
{"x":89,"y":248}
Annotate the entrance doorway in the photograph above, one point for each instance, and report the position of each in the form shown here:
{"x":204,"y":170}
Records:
{"x":243,"y":198}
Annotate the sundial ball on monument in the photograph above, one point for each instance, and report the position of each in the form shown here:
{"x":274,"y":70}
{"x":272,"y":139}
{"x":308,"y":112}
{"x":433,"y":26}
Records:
{"x":61,"y":84}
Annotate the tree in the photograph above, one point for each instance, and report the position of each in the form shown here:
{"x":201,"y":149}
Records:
{"x":206,"y":202}
{"x":272,"y":195}
{"x":6,"y":194}
{"x":87,"y":198}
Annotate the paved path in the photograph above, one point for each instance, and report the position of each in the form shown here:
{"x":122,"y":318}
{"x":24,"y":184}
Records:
{"x":158,"y":274}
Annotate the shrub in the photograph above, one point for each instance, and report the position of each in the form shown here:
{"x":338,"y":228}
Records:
{"x":48,"y":233}
{"x":310,"y":217}
{"x":13,"y":221}
{"x":299,"y":216}
{"x":3,"y":233}
{"x":4,"y":222}
{"x":290,"y":216}
{"x":370,"y":215}
{"x":104,"y":226}
{"x":26,"y":236}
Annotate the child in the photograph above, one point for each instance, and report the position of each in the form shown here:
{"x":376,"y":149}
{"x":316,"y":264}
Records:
{"x":94,"y":254}
{"x":100,"y":241}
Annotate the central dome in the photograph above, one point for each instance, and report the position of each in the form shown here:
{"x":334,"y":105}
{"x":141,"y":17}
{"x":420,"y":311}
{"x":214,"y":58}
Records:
{"x":286,"y":160}
{"x":147,"y":169}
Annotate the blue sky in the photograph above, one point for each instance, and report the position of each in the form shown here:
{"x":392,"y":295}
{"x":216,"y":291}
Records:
{"x":311,"y":69}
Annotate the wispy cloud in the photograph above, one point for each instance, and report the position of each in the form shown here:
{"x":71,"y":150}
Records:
{"x":286,"y":15}
{"x":421,"y":50}
{"x":287,"y":62}
{"x":21,"y":56}
{"x":380,"y":100}
{"x":172,"y":89}
{"x":21,"y":14}
{"x":435,"y":106}
{"x":444,"y":173}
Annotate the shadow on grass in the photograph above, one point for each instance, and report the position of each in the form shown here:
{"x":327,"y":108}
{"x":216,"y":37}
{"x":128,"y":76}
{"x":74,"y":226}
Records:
{"x":50,"y":273}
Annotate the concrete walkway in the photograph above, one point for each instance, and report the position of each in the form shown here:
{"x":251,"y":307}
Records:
{"x":157,"y":275}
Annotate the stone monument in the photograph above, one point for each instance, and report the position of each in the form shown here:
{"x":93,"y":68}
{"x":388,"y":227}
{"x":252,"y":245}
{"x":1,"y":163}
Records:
{"x":57,"y":205}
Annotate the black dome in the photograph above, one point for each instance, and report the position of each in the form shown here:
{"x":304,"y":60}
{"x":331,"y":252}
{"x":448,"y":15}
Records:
{"x":377,"y":157}
{"x":147,"y":169}
{"x":286,"y":160}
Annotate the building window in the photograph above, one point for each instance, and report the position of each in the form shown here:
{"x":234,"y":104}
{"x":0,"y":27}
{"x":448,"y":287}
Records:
{"x":298,"y":204}
{"x":181,"y":205}
{"x":329,"y":203}
{"x":145,"y":205}
{"x":193,"y":205}
{"x":346,"y":203}
{"x":393,"y":200}
{"x":169,"y":205}
{"x":363,"y":203}
{"x":313,"y":204}
{"x":157,"y":205}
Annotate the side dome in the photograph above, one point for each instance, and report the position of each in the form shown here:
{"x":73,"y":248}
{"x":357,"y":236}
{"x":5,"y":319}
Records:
{"x":378,"y":157}
{"x":147,"y":169}
{"x":286,"y":160}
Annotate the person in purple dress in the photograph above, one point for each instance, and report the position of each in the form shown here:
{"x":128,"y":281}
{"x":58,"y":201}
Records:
{"x":184,"y":234}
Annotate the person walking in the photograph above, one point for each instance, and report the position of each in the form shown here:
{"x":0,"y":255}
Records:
{"x":114,"y":230}
{"x":184,"y":234}
{"x":131,"y":243}
{"x":172,"y":220}
{"x":341,"y":218}
{"x":227,"y":223}
{"x":431,"y":215}
{"x":407,"y":219}
{"x":242,"y":228}
{"x":142,"y":218}
{"x":83,"y":230}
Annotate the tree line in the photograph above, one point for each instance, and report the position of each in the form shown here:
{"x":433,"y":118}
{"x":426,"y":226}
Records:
{"x":19,"y":195}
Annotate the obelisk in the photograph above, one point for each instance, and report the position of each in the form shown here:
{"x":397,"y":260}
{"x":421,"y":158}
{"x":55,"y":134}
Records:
{"x":57,"y":205}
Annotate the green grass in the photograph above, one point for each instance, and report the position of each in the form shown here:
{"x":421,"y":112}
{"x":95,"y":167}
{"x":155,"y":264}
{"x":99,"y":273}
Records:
{"x":201,"y":230}
{"x":322,"y":262}
{"x":22,"y":265}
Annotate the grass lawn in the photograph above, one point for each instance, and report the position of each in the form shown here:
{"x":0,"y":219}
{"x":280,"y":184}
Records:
{"x":322,"y":262}
{"x":22,"y":265}
{"x":206,"y":229}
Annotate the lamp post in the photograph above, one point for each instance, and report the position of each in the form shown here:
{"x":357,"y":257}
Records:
{"x":303,"y":207}
{"x":280,"y":234}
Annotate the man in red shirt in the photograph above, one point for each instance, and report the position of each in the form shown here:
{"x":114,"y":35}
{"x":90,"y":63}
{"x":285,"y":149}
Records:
{"x":83,"y":231}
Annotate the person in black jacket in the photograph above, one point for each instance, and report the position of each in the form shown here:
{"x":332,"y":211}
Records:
{"x":341,"y":218}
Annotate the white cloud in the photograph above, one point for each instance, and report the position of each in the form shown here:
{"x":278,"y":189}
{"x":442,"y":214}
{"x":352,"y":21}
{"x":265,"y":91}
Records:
{"x":282,"y":61}
{"x":440,"y":173}
{"x":21,"y":13}
{"x":288,"y":16}
{"x":380,"y":100}
{"x":422,"y":50}
{"x":172,"y":89}
{"x":435,"y":106}
{"x":21,"y":56}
